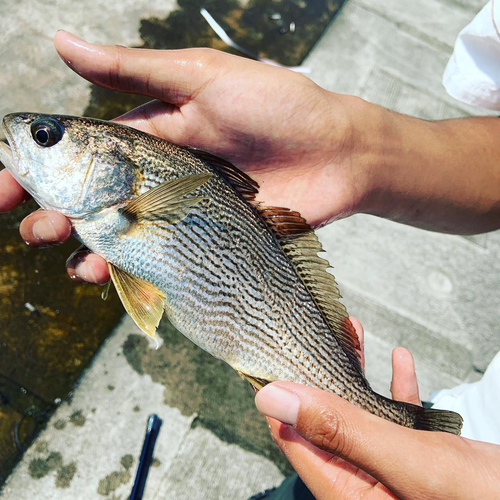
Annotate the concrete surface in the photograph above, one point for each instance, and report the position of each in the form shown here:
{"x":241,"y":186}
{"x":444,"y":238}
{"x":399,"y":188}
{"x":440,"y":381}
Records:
{"x":91,"y":445}
{"x":436,"y":294}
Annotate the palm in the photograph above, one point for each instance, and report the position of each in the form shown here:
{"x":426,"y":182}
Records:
{"x":248,"y":113}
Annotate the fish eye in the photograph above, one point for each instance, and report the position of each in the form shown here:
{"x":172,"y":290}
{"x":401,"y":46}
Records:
{"x":46,"y":132}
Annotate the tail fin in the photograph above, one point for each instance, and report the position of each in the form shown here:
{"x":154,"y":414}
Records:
{"x":429,"y":419}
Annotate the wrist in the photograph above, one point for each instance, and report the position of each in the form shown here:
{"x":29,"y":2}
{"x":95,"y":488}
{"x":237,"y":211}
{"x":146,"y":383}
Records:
{"x":369,"y":139}
{"x":395,"y":156}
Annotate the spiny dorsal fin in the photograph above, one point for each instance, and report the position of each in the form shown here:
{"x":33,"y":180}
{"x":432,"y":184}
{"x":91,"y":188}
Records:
{"x":301,"y":245}
{"x":240,"y":181}
{"x":284,"y":222}
{"x":167,"y":201}
{"x":142,"y":300}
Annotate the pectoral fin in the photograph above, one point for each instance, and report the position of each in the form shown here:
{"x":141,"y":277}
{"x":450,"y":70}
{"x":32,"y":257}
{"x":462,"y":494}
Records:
{"x":142,"y":300}
{"x":166,"y":201}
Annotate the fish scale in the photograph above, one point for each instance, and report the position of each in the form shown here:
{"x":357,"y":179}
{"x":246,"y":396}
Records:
{"x":182,"y":232}
{"x":185,"y":317}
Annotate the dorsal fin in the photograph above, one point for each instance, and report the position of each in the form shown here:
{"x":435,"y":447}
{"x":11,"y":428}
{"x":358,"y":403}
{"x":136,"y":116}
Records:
{"x":240,"y":181}
{"x":302,"y":250}
{"x":301,"y":246}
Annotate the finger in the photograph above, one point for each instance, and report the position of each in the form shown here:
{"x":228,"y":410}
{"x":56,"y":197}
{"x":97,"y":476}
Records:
{"x":11,"y":193}
{"x":397,"y":456}
{"x":45,"y":228}
{"x":326,"y":475}
{"x":361,"y":336}
{"x":87,"y":267}
{"x":158,"y":118}
{"x":404,"y":385}
{"x":174,"y":76}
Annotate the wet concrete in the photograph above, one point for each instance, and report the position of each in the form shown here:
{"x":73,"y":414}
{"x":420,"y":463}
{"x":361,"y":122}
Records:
{"x":284,"y":31}
{"x":46,"y":345}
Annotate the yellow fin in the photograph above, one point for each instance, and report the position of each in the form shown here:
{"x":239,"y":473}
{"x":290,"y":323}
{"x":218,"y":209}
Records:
{"x":142,"y":300}
{"x":167,"y":201}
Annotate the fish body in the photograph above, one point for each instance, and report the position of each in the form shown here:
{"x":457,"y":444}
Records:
{"x":182,"y":233}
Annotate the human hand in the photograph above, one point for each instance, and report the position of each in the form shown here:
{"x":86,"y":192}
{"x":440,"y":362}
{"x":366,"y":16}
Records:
{"x":343,"y":452}
{"x":290,"y":135}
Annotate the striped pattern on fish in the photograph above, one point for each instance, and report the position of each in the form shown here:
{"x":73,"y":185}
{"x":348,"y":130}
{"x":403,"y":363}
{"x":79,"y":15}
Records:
{"x":182,"y":231}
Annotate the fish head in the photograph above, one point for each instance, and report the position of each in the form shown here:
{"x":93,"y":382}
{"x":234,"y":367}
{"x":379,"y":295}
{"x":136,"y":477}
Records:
{"x":69,"y":164}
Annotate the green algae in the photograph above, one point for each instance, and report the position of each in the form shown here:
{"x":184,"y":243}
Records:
{"x":65,"y":475}
{"x":78,"y":418}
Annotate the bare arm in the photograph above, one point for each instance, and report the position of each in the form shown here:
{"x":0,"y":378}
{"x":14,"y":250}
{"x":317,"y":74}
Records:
{"x":442,"y":176}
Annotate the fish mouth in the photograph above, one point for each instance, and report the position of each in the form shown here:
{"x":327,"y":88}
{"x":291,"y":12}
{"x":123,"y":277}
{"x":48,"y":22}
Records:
{"x":10,"y":160}
{"x":6,"y":153}
{"x":9,"y":155}
{"x":6,"y":156}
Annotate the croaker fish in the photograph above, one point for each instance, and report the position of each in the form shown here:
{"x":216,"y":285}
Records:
{"x":182,"y":232}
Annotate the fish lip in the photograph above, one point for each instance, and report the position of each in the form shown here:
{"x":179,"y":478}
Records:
{"x":8,"y":135}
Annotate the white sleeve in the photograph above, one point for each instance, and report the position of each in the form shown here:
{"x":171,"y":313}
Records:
{"x":473,"y":72}
{"x":478,"y":403}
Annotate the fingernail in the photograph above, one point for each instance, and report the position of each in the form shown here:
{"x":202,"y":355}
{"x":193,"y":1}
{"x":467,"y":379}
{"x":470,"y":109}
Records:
{"x":85,"y":271}
{"x":278,"y":403}
{"x":44,"y":231}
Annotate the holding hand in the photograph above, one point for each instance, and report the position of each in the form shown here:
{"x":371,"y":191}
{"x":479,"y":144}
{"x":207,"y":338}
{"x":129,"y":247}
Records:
{"x":345,"y":453}
{"x":272,"y":123}
{"x":323,"y":154}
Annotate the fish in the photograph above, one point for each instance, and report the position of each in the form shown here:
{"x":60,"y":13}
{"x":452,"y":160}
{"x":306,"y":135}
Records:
{"x":184,"y":234}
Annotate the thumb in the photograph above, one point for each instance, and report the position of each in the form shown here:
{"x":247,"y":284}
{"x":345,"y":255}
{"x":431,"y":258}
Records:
{"x":398,"y":457}
{"x":173,"y":76}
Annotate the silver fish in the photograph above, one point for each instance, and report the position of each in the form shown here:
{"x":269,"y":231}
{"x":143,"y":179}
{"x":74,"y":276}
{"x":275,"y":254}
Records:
{"x":182,"y":233}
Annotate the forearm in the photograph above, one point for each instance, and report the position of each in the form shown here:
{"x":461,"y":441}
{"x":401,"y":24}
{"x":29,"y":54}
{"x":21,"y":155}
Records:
{"x":442,"y":175}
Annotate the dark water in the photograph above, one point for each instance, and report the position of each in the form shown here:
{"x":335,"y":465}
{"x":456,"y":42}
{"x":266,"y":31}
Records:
{"x":44,"y":351}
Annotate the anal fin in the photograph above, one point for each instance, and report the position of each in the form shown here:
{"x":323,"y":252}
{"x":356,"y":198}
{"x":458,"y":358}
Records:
{"x":142,"y":300}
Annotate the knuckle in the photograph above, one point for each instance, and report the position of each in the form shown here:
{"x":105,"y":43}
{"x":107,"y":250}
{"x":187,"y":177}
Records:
{"x":206,"y":56}
{"x":325,"y":428}
{"x":208,"y":63}
{"x":115,"y":69}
